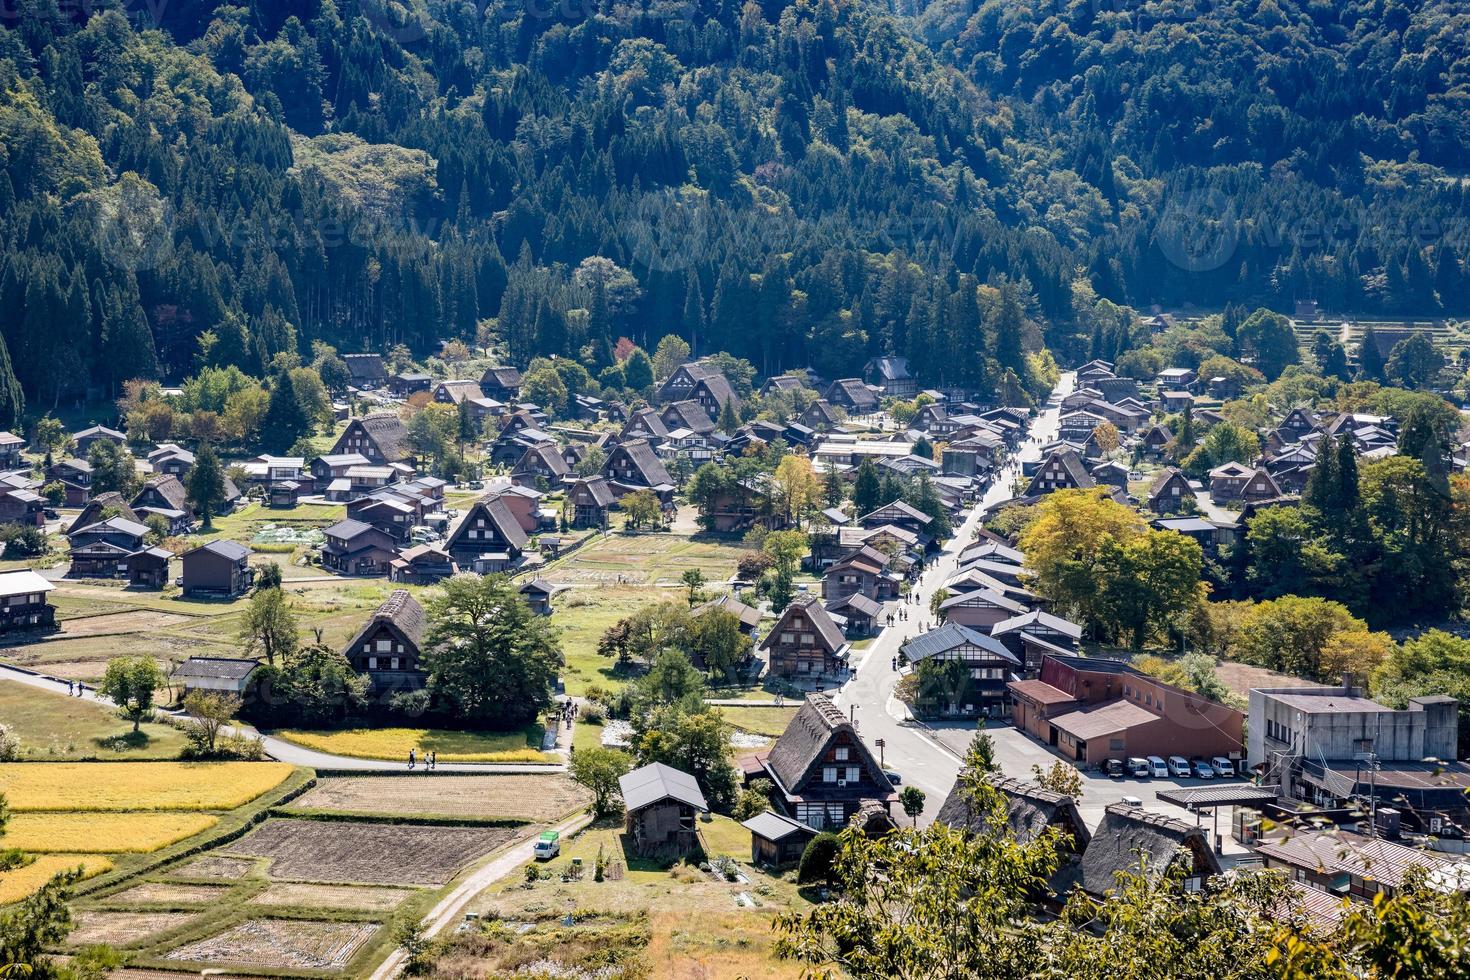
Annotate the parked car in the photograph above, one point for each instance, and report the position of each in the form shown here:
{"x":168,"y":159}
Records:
{"x":1114,"y":768}
{"x":548,"y":845}
{"x":1131,"y":801}
{"x":1179,"y":767}
{"x":1203,"y":770}
{"x":1138,"y":768}
{"x":893,"y":777}
{"x":1157,"y":767}
{"x":1223,"y":767}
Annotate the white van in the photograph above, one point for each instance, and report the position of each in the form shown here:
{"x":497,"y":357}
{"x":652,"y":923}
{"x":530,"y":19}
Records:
{"x":1223,"y":766}
{"x":1157,"y":767}
{"x":1138,"y":768}
{"x":1179,"y":767}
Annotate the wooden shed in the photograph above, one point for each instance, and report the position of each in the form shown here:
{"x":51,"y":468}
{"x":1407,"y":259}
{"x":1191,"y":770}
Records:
{"x":776,"y":840}
{"x":663,"y":805}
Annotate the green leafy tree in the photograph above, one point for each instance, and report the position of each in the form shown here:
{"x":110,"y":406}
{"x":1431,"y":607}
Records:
{"x":690,"y":741}
{"x":269,"y":626}
{"x":491,"y":661}
{"x":1287,"y":554}
{"x":132,"y":682}
{"x":911,"y":798}
{"x":206,"y":484}
{"x":598,"y":771}
{"x":1414,"y":363}
{"x":717,"y":641}
{"x":113,"y":468}
{"x":671,"y":352}
{"x":638,"y":370}
{"x":1059,"y":778}
{"x":642,"y":509}
{"x":209,"y":711}
{"x":1370,"y":359}
{"x":1271,"y":340}
{"x":866,"y":488}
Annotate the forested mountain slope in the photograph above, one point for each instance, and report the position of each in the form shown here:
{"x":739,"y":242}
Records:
{"x":799,"y":184}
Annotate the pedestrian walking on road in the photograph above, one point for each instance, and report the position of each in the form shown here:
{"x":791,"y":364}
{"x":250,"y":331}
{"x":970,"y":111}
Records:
{"x":70,"y":688}
{"x":412,"y":758}
{"x":433,"y":760}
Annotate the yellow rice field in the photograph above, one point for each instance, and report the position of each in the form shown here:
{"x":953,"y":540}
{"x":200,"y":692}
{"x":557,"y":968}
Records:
{"x":102,"y":833}
{"x":16,"y":885}
{"x":132,"y":786}
{"x":448,"y":746}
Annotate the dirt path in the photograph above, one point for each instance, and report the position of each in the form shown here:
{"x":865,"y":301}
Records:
{"x":449,"y":909}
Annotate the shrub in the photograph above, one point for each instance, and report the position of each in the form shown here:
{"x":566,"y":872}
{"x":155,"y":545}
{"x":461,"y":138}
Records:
{"x":817,"y":859}
{"x":749,"y":804}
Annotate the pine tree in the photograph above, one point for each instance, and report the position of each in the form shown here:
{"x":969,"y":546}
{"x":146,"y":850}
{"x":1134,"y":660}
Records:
{"x":693,"y":311}
{"x":12,"y":398}
{"x":1010,"y":320}
{"x":866,"y":488}
{"x":285,"y":419}
{"x":1185,"y":439}
{"x":729,"y":421}
{"x":1347,"y":473}
{"x":1370,"y":360}
{"x":206,"y":484}
{"x":1323,"y":484}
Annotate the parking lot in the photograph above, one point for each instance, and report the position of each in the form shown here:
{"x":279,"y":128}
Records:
{"x":1016,"y":752}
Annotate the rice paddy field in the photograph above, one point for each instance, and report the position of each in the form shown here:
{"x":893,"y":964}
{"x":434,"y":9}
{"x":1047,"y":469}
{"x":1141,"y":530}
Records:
{"x":128,"y":786}
{"x":449,"y":746}
{"x":103,"y":833}
{"x":17,"y":884}
{"x":117,"y":819}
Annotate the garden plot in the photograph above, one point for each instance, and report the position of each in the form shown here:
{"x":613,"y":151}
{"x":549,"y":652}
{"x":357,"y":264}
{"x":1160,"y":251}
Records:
{"x":124,"y":928}
{"x":382,"y":854}
{"x":167,"y":893}
{"x":358,"y":898}
{"x":277,"y":943}
{"x":108,"y":624}
{"x":535,"y":798}
{"x":213,"y":868}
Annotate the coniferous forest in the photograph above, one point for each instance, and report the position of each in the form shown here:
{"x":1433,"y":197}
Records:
{"x":193,"y":182}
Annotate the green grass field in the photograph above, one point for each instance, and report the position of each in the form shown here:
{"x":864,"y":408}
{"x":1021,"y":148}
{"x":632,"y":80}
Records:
{"x":56,"y":727}
{"x":647,"y":559}
{"x":770,"y":722}
{"x":583,"y":615}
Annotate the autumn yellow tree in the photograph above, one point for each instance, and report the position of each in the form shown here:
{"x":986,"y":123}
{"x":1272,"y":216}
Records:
{"x":1065,"y":546}
{"x":795,"y":487}
{"x":1106,"y":434}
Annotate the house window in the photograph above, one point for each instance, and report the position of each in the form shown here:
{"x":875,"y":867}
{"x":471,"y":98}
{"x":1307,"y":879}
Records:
{"x":1115,"y":745}
{"x":841,"y":755}
{"x":852,"y":774}
{"x":786,"y":637}
{"x":384,"y":646}
{"x":372,"y":663}
{"x":806,"y":639}
{"x":837,"y":813}
{"x":829,"y":774}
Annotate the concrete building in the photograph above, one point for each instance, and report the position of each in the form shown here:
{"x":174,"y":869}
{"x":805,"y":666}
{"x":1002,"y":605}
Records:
{"x":1329,"y":745}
